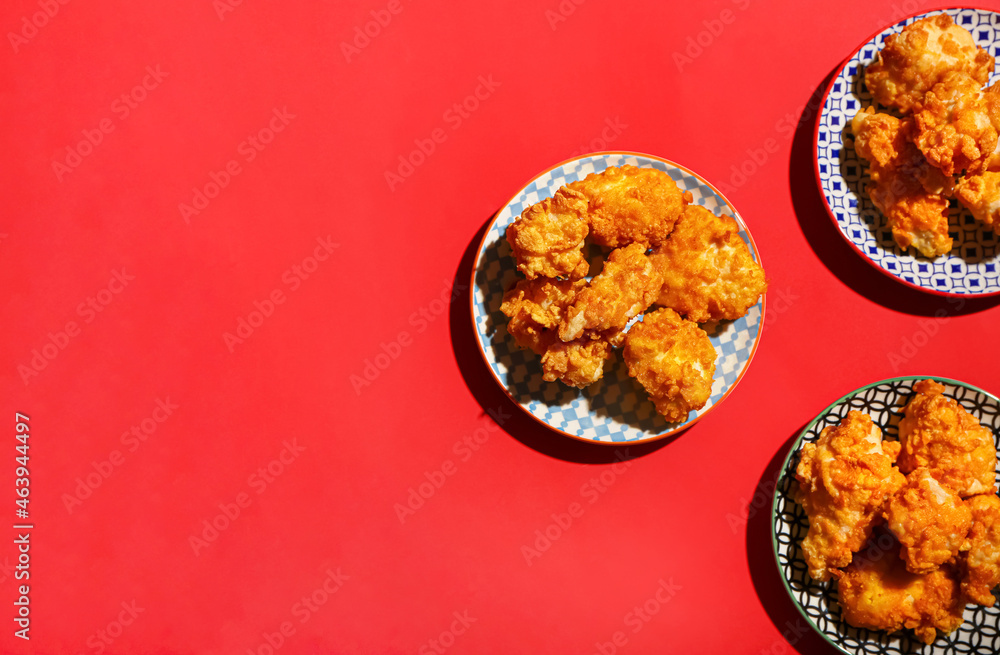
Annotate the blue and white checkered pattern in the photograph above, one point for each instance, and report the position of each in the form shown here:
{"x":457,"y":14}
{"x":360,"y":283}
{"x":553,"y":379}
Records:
{"x":973,"y":265}
{"x":616,"y":408}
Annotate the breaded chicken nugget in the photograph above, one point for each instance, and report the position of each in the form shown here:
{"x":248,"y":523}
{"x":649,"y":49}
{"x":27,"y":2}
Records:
{"x":982,"y":562}
{"x":708,"y":271}
{"x":578,"y":363}
{"x":845,"y":478}
{"x":630,"y":205}
{"x":877,"y":592}
{"x":904,"y":187}
{"x":916,"y":218}
{"x":991,"y":96}
{"x":674,"y":360}
{"x":548,"y":238}
{"x":953,"y":127}
{"x":887,"y":143}
{"x":938,"y":434}
{"x":536,"y":307}
{"x":980,"y":194}
{"x":930,"y":522}
{"x":626,"y":286}
{"x":916,"y":59}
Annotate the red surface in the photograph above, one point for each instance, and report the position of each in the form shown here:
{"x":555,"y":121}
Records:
{"x":548,"y":90}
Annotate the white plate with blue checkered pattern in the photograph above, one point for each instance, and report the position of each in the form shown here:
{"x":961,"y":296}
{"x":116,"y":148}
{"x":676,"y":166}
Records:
{"x":972,"y":268}
{"x":615,"y":409}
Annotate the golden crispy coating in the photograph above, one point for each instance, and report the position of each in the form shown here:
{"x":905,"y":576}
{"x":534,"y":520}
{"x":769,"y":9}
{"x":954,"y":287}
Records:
{"x":877,"y":592}
{"x":548,"y":238}
{"x":991,"y":96}
{"x":938,"y":434}
{"x":982,"y":562}
{"x":630,"y":205}
{"x":930,"y":521}
{"x":981,"y":195}
{"x":535,"y":308}
{"x":578,"y":363}
{"x":886,"y":142}
{"x":953,"y":127}
{"x":907,"y":190}
{"x":845,"y":479}
{"x":917,"y":218}
{"x":916,"y":59}
{"x":708,"y":271}
{"x":626,"y":286}
{"x":673,"y":359}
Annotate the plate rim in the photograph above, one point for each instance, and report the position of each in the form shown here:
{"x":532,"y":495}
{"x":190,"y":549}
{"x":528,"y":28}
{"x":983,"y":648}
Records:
{"x":472,"y":297}
{"x":797,"y":444}
{"x":815,"y":156}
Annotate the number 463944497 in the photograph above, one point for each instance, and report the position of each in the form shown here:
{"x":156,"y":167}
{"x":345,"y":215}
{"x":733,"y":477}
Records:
{"x":23,"y":432}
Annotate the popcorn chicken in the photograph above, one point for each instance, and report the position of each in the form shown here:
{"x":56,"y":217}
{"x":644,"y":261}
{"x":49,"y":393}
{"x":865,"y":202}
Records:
{"x":845,"y":479}
{"x":548,"y":238}
{"x":627,"y":285}
{"x":708,"y":271}
{"x":877,"y":592}
{"x":673,"y":359}
{"x":982,"y":562}
{"x":630,"y":205}
{"x":930,"y":522}
{"x":938,"y":434}
{"x":916,"y":59}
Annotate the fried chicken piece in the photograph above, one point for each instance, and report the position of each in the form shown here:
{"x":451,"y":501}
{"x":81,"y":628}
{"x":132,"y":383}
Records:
{"x":535,"y":308}
{"x":845,"y":479}
{"x":953,"y":127}
{"x":578,"y":363}
{"x":930,"y":522}
{"x":887,"y":143}
{"x":626,"y":286}
{"x":877,"y":592}
{"x":938,"y":434}
{"x":904,"y":187}
{"x":548,"y":238}
{"x":916,"y":59}
{"x":674,"y":360}
{"x":980,"y":194}
{"x":991,"y":96}
{"x":630,"y":205}
{"x":708,"y":271}
{"x":982,"y":562}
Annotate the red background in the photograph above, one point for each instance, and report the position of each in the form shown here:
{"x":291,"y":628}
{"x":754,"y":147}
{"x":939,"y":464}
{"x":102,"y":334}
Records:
{"x":833,"y":323}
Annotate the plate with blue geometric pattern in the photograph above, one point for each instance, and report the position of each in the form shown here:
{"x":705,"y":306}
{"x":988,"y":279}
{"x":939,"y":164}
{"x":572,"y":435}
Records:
{"x":818,"y":601}
{"x":615,"y":409}
{"x":972,"y":268}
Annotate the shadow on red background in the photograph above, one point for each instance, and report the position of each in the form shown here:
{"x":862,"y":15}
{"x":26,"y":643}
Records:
{"x":488,"y":394}
{"x":764,"y":569}
{"x":826,"y":241}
